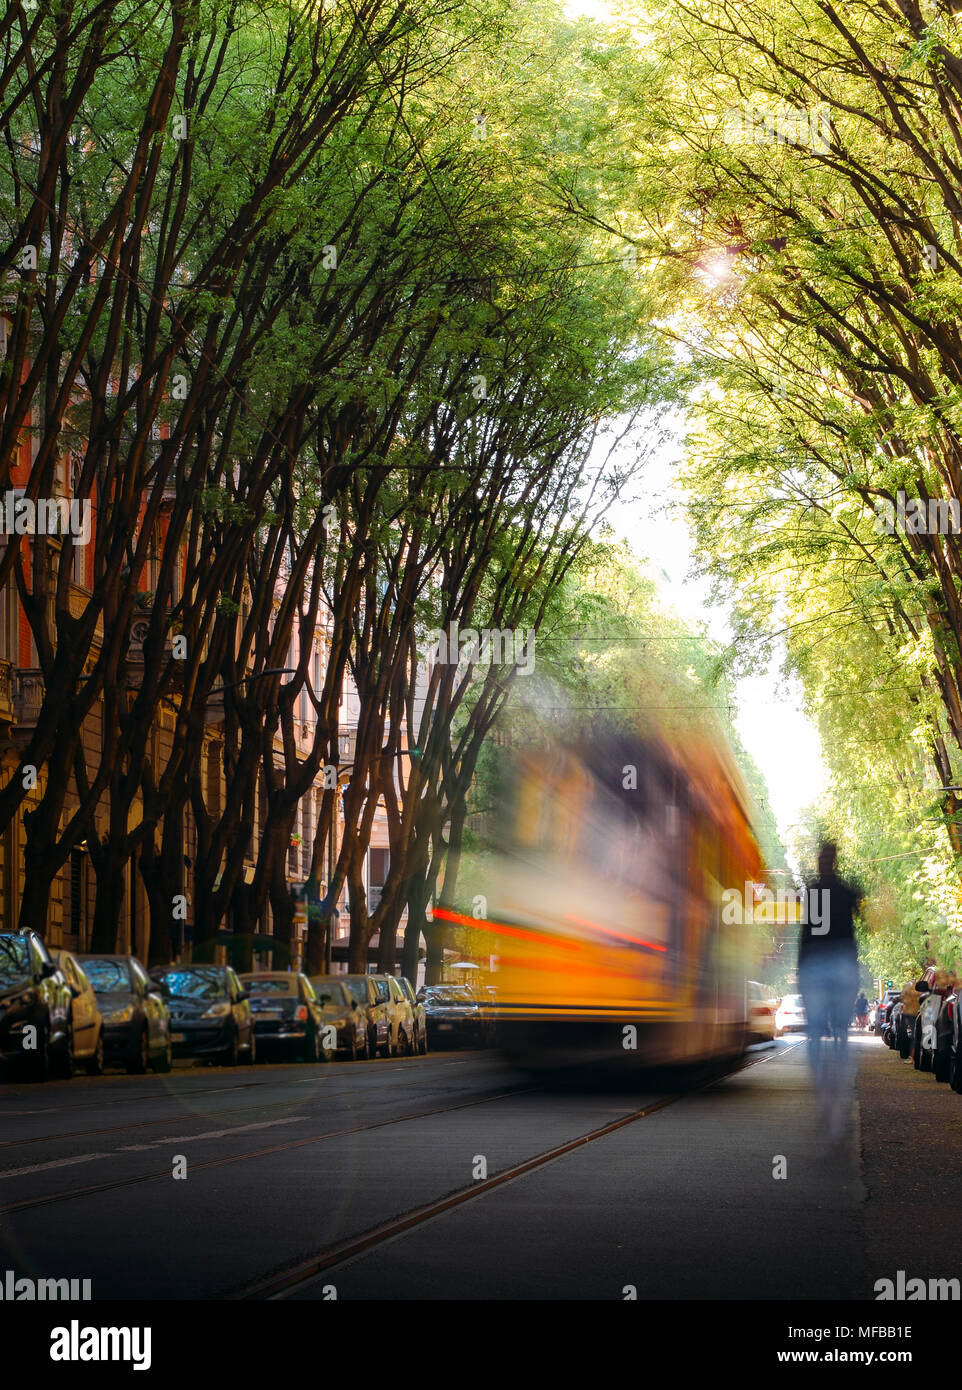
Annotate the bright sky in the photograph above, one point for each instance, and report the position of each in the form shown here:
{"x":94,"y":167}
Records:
{"x":770,"y":719}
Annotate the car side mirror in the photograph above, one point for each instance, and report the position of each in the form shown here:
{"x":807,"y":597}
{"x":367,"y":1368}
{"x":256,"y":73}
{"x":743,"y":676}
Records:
{"x":48,"y":970}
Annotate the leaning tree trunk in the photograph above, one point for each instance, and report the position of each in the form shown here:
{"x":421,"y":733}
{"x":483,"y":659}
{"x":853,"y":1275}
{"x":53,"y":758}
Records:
{"x":417,"y":926}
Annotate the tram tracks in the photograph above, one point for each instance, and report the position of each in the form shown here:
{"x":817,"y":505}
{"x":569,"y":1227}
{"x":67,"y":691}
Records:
{"x":279,"y":1285}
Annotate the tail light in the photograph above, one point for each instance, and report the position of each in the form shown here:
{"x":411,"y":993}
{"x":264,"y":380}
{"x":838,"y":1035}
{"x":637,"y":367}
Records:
{"x":300,"y":1013}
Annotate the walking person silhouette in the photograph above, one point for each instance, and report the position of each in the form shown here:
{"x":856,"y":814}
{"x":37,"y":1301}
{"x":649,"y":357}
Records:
{"x":828,"y":977}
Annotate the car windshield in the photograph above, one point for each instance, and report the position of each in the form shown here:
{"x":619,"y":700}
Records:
{"x":193,"y":984}
{"x":268,"y":986}
{"x":107,"y":976}
{"x":357,"y":987}
{"x":449,"y":996}
{"x":330,"y":991}
{"x":14,"y":960}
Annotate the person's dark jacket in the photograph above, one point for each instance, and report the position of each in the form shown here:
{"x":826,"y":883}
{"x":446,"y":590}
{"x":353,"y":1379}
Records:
{"x":842,"y":902}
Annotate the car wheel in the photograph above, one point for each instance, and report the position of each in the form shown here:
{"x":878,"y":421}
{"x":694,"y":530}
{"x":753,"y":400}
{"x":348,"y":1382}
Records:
{"x":95,"y":1064}
{"x":926,"y":1063}
{"x":163,"y":1061}
{"x":232,"y":1051}
{"x":310,"y":1053}
{"x":903,"y":1041}
{"x":917,"y":1053}
{"x":62,"y":1065}
{"x":139,"y":1063}
{"x":423,"y":1042}
{"x":38,"y":1065}
{"x":252,"y":1050}
{"x":955,"y":1071}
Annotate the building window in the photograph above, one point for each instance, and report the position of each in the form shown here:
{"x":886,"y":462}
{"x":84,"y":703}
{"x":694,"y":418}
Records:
{"x":79,"y":552}
{"x":378,"y":862}
{"x":8,"y":619}
{"x":213,"y":781}
{"x":77,"y":913}
{"x":307,"y":834}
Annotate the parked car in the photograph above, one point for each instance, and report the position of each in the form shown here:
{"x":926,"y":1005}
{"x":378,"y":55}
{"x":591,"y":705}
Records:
{"x":955,"y":1045}
{"x":418,"y":1014}
{"x":341,"y":1010}
{"x":891,"y":1027}
{"x":883,"y":1008}
{"x":287,"y":1014}
{"x":374,"y":997}
{"x":136,"y":1019}
{"x":905,"y":1015}
{"x":454,"y":1017}
{"x":790,"y":1015}
{"x":933,"y":1034}
{"x":35,"y":996}
{"x":762,"y":1007}
{"x":210,"y":1012}
{"x":86,"y":1020}
{"x":402,"y":1016}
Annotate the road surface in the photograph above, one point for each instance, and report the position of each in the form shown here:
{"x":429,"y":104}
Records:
{"x":451,"y":1177}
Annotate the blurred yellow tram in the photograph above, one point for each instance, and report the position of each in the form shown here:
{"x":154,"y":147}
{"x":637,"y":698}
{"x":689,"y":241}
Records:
{"x":605,"y":925}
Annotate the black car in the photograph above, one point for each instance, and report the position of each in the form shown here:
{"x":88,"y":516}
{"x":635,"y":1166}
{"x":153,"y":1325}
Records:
{"x":342,"y":1012}
{"x":35,"y":1008}
{"x":954,"y":1014}
{"x":287,"y":1015}
{"x":454,"y":1017}
{"x":883,"y":1012}
{"x":136,"y":1019}
{"x":210,"y":1012}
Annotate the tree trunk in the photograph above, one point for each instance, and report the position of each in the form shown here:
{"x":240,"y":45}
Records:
{"x":417,"y":925}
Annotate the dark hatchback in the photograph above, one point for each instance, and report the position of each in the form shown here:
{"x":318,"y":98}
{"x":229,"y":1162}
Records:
{"x":210,"y":1012}
{"x":136,"y":1019}
{"x":454,"y":1017}
{"x":287,"y":1015}
{"x":35,"y":1008}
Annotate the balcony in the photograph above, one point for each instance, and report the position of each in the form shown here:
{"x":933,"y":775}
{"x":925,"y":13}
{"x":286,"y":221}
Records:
{"x":7,"y":700}
{"x":28,"y":689}
{"x":139,"y":630}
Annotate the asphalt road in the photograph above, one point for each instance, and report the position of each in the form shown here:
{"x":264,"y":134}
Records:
{"x":300,"y":1182}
